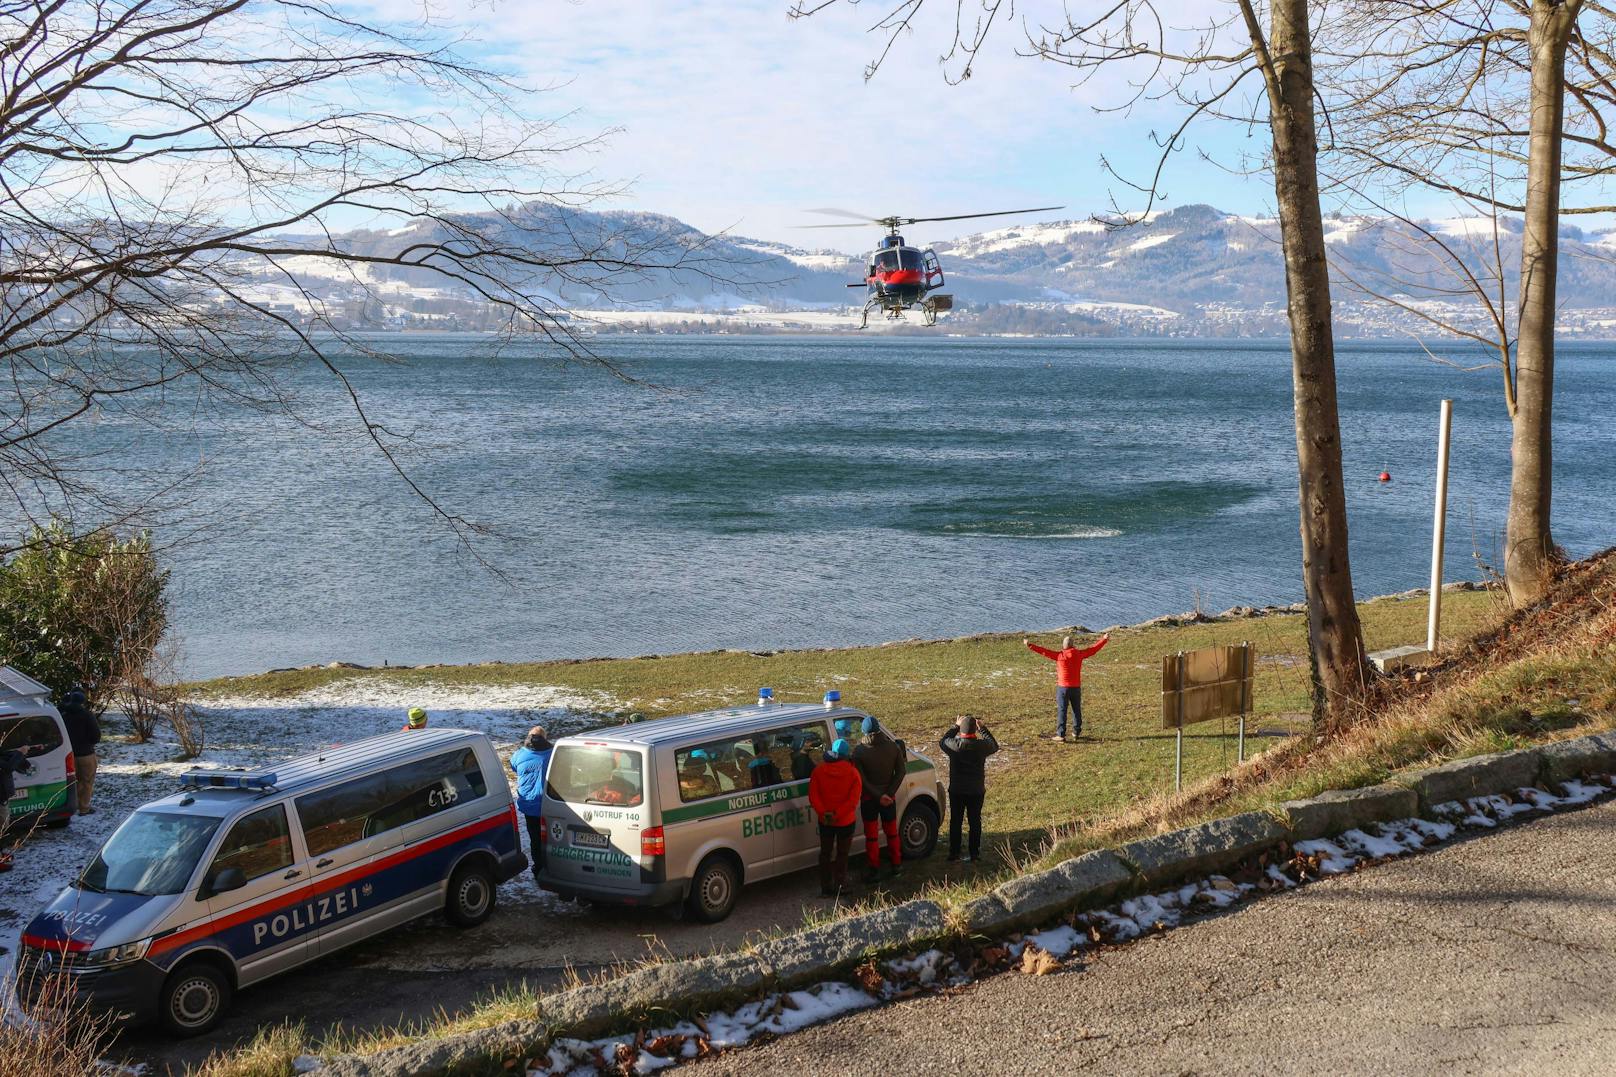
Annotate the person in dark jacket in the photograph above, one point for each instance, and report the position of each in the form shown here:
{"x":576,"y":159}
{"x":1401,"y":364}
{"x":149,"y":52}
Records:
{"x":881,"y":765}
{"x":967,"y":746}
{"x":83,"y":734}
{"x":531,"y":762}
{"x":833,"y":791}
{"x":11,"y":762}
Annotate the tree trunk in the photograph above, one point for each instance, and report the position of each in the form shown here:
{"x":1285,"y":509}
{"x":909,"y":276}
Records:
{"x":1339,"y":665}
{"x":1529,"y":553}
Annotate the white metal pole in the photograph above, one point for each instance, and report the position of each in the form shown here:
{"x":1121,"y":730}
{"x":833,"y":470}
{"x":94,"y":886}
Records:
{"x":1439,"y":527}
{"x":1178,"y":756}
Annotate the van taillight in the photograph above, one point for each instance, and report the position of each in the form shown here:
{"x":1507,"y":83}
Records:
{"x":652,"y":843}
{"x":71,"y":769}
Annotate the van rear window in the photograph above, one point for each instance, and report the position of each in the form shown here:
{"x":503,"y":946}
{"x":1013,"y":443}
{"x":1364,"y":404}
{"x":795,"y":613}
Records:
{"x":589,"y":774}
{"x":38,"y":733}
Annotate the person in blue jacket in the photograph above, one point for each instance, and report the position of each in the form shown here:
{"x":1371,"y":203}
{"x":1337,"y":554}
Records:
{"x":531,"y":762}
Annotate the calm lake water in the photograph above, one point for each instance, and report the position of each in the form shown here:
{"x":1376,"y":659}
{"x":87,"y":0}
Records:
{"x":773,"y":492}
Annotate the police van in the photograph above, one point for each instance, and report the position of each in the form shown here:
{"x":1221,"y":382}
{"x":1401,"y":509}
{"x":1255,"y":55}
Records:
{"x":691,"y":808}
{"x":31,"y":725}
{"x":244,"y":874}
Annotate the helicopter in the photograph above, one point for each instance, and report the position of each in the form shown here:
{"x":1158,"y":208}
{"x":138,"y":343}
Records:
{"x":900,"y":277}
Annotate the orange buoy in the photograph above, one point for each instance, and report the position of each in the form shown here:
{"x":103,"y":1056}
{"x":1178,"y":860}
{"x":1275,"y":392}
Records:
{"x":1385,"y":476}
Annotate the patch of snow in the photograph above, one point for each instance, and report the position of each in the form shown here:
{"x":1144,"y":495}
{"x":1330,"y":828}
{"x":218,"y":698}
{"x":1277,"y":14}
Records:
{"x":1462,"y":227}
{"x":923,"y":968}
{"x":307,"y":1064}
{"x":1058,"y":941}
{"x":1149,"y":242}
{"x":1343,"y":231}
{"x":1335,"y":859}
{"x":1034,"y":235}
{"x":1371,"y":846}
{"x":1582,"y":792}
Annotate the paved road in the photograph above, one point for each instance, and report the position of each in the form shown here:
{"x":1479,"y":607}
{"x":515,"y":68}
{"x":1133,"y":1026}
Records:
{"x":1492,"y":955}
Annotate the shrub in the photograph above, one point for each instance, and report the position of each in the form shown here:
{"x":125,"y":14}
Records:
{"x":85,"y":610}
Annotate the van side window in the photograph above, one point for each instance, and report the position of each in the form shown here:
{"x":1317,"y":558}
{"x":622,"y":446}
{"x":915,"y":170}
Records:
{"x":802,"y":747}
{"x":36,"y":732}
{"x":338,"y":816}
{"x":377,"y":803}
{"x":424,"y":788}
{"x":722,"y":766}
{"x":258,"y":844}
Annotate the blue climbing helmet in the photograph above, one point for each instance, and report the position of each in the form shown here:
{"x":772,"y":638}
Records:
{"x":844,"y":727}
{"x":840,"y":750}
{"x":870,"y":726}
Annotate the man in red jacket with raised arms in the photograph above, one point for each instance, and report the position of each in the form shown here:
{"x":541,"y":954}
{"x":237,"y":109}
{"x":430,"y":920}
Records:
{"x":1069,"y":677}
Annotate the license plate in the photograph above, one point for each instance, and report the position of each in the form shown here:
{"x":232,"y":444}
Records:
{"x":591,"y":838}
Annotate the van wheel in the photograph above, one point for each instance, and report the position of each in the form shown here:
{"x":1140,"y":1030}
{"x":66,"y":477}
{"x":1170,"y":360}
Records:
{"x":714,"y":889}
{"x":918,"y":831}
{"x":470,"y":900}
{"x":194,"y":997}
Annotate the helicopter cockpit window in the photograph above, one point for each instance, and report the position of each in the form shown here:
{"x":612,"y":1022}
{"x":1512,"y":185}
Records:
{"x":886,"y":260}
{"x":910,"y":257}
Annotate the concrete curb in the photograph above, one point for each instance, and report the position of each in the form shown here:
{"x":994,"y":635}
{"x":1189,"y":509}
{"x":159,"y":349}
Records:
{"x":686,"y":987}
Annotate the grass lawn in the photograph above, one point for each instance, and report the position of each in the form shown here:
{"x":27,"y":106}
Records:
{"x":918,"y":688}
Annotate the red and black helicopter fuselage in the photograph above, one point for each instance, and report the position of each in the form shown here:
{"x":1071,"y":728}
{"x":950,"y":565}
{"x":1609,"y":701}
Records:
{"x":899,"y":277}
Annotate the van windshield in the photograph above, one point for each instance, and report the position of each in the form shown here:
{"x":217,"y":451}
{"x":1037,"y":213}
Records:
{"x":595,"y":774}
{"x":151,"y":853}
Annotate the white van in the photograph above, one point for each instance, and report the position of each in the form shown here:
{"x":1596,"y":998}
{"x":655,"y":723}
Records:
{"x":691,"y":808}
{"x":31,"y":725}
{"x":244,"y":874}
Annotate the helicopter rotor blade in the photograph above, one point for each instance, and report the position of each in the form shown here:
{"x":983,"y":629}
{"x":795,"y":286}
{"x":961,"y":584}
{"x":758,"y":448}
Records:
{"x":843,"y":213}
{"x":866,"y":227}
{"x":968,"y":216}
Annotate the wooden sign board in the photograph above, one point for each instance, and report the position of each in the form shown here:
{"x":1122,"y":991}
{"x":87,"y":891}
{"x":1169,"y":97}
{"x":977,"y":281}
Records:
{"x":1214,"y":682}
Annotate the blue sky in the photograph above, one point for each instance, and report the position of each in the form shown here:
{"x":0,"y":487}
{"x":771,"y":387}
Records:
{"x":732,"y":115}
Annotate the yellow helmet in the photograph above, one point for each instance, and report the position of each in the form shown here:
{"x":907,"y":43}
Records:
{"x":417,"y":718}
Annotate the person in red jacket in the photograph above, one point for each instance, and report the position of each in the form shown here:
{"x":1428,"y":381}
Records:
{"x":1069,"y":681}
{"x":833,"y":791}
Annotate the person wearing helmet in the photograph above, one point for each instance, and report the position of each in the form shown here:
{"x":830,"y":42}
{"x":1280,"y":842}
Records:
{"x":83,"y":734}
{"x":833,"y":792}
{"x":881,"y":763}
{"x":696,"y":779}
{"x":416,"y":719}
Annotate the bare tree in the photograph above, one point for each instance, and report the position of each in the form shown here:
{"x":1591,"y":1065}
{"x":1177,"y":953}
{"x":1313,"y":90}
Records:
{"x":1205,"y":70}
{"x":174,"y":172}
{"x":1449,"y":95}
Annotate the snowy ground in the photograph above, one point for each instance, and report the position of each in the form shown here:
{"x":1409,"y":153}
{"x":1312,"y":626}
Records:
{"x":253,"y":732}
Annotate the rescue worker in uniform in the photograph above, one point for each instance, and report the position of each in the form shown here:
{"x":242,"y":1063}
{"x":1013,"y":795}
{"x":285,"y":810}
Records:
{"x":415,"y":719}
{"x":881,"y":763}
{"x":833,"y":792}
{"x":531,"y":762}
{"x":1068,"y":682}
{"x":967,"y":746}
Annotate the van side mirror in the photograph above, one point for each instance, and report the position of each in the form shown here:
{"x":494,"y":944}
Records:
{"x":225,"y":880}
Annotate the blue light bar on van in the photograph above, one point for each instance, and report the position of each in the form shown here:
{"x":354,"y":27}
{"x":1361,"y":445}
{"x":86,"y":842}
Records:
{"x":197,"y":778}
{"x":832,"y":698}
{"x":765,"y":696}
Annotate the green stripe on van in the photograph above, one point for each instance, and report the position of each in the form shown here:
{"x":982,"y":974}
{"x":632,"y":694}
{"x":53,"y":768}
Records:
{"x":754,"y":799}
{"x":49,"y":796}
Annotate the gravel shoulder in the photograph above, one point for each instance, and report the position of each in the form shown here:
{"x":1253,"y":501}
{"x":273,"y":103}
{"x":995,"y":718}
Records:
{"x":1491,"y":955}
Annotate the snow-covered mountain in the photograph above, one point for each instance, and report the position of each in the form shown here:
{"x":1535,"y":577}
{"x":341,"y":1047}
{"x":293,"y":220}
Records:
{"x":1190,"y":270}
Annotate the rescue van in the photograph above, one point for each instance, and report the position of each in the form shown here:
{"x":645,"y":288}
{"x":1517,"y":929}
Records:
{"x":244,"y":874}
{"x":691,"y":808}
{"x":31,"y":725}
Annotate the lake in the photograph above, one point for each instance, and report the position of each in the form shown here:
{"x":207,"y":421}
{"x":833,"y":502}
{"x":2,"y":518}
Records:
{"x":768,"y":492}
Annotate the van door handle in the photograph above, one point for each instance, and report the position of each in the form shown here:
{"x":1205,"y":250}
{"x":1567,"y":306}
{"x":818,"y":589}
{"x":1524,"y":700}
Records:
{"x":291,"y":874}
{"x":327,"y":862}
